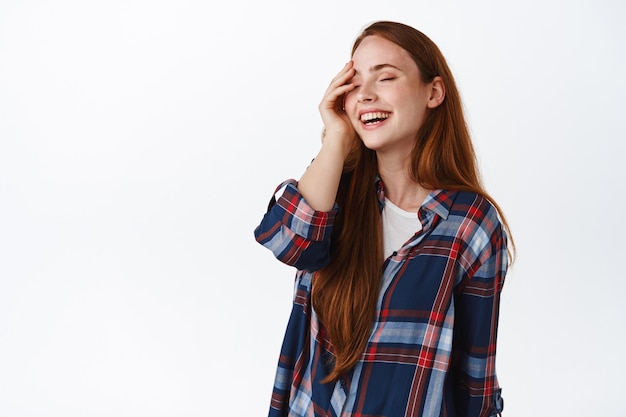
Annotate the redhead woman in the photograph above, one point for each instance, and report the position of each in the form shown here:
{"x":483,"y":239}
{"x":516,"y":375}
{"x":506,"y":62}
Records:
{"x":400,"y":253}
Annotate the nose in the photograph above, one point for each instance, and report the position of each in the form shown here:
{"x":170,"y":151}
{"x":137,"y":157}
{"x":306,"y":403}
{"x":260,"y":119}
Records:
{"x":366,"y":93}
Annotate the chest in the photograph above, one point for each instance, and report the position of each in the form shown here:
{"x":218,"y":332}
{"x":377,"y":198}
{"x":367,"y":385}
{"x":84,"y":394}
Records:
{"x":421,"y":276}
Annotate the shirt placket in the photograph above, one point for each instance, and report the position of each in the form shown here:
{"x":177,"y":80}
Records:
{"x":338,"y":399}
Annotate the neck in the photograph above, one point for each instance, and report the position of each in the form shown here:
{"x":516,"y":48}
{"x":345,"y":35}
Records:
{"x":400,"y":188}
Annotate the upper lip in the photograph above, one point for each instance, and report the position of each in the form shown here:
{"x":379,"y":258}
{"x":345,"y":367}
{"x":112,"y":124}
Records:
{"x":365,"y":111}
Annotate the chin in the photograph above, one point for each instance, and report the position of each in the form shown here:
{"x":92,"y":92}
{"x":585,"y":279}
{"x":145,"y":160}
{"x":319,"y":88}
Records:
{"x":373,"y":144}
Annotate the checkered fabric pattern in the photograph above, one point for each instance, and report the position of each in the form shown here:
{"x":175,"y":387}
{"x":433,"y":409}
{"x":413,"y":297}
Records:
{"x":432,"y":348}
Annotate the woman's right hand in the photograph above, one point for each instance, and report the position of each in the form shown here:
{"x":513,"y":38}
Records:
{"x":320,"y":181}
{"x":337,"y":125}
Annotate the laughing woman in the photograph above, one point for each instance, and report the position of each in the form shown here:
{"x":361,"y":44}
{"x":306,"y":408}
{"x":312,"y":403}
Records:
{"x":400,"y":253}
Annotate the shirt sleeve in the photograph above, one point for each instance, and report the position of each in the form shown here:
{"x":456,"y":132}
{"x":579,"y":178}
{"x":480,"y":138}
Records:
{"x":477,"y":303}
{"x":296,"y":234}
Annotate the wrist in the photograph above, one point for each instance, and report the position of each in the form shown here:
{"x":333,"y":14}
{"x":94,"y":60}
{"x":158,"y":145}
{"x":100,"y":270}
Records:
{"x":339,"y":143}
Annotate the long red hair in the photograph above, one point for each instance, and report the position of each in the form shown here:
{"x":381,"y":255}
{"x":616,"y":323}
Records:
{"x":345,"y":293}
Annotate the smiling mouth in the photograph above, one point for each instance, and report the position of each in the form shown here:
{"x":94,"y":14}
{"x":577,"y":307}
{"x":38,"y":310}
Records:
{"x":374,"y":117}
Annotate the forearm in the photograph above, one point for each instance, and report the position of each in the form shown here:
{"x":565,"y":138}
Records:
{"x":320,"y":181}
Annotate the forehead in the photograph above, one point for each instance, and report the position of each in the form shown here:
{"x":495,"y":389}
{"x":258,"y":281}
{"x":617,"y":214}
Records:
{"x":375,"y":51}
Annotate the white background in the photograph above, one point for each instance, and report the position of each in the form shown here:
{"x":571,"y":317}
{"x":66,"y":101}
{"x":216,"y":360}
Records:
{"x":140,"y":142}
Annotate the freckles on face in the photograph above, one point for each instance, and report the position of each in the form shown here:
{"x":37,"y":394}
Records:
{"x":387,"y":85}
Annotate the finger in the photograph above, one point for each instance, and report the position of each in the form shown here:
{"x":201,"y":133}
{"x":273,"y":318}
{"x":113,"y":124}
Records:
{"x":344,"y":75}
{"x":335,"y":96}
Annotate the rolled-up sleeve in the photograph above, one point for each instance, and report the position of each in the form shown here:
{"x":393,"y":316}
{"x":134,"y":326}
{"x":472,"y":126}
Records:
{"x":296,"y":234}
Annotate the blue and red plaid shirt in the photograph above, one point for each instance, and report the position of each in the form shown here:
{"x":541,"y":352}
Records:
{"x":432,"y":349}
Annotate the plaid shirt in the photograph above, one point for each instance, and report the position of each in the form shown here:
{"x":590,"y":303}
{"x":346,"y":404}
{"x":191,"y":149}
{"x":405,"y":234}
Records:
{"x":432,"y":348}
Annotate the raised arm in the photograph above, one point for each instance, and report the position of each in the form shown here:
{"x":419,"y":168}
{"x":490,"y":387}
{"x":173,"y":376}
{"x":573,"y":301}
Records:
{"x":297,"y":228}
{"x":320,"y":181}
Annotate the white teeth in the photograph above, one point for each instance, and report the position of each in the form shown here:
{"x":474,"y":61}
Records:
{"x":374,"y":117}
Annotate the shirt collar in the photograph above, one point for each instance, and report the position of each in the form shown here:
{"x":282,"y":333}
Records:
{"x":438,"y":201}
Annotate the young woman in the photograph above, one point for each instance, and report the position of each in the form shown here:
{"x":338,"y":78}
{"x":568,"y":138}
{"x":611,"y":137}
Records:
{"x":400,"y":253}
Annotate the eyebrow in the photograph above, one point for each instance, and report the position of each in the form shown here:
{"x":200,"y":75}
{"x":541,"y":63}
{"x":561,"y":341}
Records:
{"x":379,"y":67}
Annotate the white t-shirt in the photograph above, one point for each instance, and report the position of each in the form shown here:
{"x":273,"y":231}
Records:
{"x":398,"y":227}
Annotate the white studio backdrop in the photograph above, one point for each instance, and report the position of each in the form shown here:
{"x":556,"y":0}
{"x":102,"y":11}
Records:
{"x":140,"y":142}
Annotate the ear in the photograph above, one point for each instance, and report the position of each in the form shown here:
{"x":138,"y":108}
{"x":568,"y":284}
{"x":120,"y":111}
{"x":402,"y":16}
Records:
{"x":437,"y":92}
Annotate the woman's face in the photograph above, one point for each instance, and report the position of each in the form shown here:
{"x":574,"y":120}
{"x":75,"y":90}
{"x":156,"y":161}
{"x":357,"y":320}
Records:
{"x":389,"y":101}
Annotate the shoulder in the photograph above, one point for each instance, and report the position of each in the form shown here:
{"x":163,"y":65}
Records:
{"x":473,"y":221}
{"x":476,"y":235}
{"x":476,"y":208}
